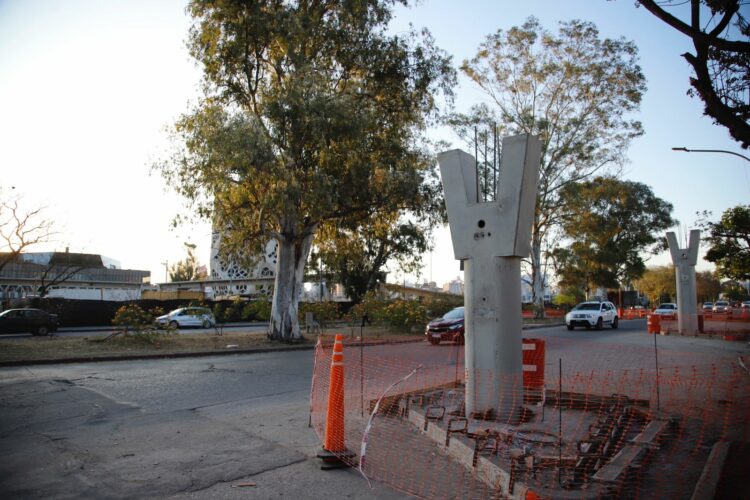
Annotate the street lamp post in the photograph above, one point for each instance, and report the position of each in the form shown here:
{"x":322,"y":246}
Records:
{"x":686,"y":150}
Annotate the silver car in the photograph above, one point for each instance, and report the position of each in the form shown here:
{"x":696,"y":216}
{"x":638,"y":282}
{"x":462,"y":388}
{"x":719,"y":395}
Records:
{"x":722,"y":306}
{"x":187,"y":316}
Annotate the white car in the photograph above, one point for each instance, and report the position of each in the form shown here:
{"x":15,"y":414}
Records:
{"x":666,"y":309}
{"x":592,"y":314}
{"x":187,"y":316}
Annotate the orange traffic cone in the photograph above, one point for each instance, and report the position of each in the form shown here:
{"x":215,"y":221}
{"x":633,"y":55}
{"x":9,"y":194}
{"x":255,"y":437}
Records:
{"x":334,"y":435}
{"x":334,"y":453}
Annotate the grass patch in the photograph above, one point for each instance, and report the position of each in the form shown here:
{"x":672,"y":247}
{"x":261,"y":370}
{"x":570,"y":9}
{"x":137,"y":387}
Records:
{"x":162,"y":343}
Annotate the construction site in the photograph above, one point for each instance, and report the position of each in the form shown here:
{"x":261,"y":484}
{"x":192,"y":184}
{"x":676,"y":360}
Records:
{"x":592,"y":421}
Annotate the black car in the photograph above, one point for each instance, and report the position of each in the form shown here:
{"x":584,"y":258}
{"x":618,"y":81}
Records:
{"x":449,"y":328}
{"x":33,"y":321}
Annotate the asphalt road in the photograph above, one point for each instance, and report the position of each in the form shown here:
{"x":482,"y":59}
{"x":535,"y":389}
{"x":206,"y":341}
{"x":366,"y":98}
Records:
{"x":199,"y":427}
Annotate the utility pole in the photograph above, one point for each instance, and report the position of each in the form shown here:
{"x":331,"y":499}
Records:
{"x":166,"y":271}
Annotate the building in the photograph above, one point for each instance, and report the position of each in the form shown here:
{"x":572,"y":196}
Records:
{"x":229,"y":278}
{"x":69,"y":275}
{"x":456,"y":286}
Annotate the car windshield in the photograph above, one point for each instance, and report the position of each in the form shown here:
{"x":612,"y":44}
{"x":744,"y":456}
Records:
{"x":587,"y":306}
{"x":666,"y":306}
{"x":5,"y":313}
{"x":720,"y":303}
{"x":457,"y":313}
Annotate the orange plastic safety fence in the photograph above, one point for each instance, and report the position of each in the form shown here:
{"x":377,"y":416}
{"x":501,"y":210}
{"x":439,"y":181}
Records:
{"x":603,"y":423}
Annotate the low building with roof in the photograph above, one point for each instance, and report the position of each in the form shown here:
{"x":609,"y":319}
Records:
{"x":69,"y":275}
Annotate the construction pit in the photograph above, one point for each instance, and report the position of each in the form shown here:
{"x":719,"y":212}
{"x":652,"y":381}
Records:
{"x":564,"y":445}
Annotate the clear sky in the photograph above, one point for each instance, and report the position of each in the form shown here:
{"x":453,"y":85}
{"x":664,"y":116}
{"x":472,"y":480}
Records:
{"x":88,"y":87}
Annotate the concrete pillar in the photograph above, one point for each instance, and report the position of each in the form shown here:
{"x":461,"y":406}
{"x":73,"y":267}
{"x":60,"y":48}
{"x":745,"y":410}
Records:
{"x":491,"y":238}
{"x":684,"y":260}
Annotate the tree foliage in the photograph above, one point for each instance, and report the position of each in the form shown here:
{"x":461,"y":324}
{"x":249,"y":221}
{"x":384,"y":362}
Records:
{"x":721,"y":62}
{"x":312,"y":115}
{"x":573,"y":89}
{"x":610,"y":223}
{"x":707,"y":286}
{"x":658,"y":283}
{"x":357,"y":256}
{"x":188,"y":269}
{"x":729,"y":242}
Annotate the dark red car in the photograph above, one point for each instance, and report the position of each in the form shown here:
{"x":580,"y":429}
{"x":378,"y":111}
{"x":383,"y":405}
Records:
{"x":448,"y":328}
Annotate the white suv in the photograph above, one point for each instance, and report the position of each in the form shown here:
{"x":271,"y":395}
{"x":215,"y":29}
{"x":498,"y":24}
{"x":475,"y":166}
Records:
{"x":592,"y":314}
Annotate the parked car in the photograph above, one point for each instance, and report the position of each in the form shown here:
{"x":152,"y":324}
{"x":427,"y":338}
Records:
{"x":745,"y":305}
{"x":592,"y":314}
{"x":449,"y":327}
{"x":666,"y":309}
{"x":187,"y":316}
{"x":707,"y":307}
{"x":27,"y":320}
{"x":722,"y":306}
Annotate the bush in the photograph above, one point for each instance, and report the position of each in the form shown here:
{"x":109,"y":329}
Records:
{"x":218,"y":311}
{"x":372,"y":304}
{"x":323,"y":312}
{"x":406,"y":315}
{"x":259,"y":310}
{"x":438,"y":306}
{"x":138,"y":325}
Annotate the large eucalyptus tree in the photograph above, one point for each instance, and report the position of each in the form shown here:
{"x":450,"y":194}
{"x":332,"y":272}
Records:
{"x":312,"y":115}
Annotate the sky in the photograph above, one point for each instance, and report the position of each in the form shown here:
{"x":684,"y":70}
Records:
{"x":88,"y":89}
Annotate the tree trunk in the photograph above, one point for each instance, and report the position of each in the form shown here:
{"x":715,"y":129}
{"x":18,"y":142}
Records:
{"x":537,"y":275}
{"x":291,"y":256}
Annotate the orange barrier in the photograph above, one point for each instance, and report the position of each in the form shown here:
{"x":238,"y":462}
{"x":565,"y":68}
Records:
{"x":334,"y":434}
{"x":653,"y":324}
{"x":533,"y":363}
{"x":613,"y":420}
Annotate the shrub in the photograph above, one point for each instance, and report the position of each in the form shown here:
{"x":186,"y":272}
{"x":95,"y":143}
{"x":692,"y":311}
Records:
{"x":323,"y":312}
{"x":218,"y":311}
{"x":438,"y":306}
{"x":138,"y":325}
{"x":406,"y":315}
{"x":256,"y":310}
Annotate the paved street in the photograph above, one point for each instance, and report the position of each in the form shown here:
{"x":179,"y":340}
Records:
{"x":193,"y":428}
{"x":188,"y":428}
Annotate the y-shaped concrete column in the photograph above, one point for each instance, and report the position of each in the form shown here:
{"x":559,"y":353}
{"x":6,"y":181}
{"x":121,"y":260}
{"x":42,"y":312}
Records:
{"x":684,"y":260}
{"x":490,"y":238}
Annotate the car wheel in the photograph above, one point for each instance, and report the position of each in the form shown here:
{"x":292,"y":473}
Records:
{"x":174,"y":325}
{"x":434,"y":341}
{"x":599,"y":324}
{"x":570,"y":327}
{"x":614,"y":323}
{"x":206,"y":323}
{"x":42,"y":330}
